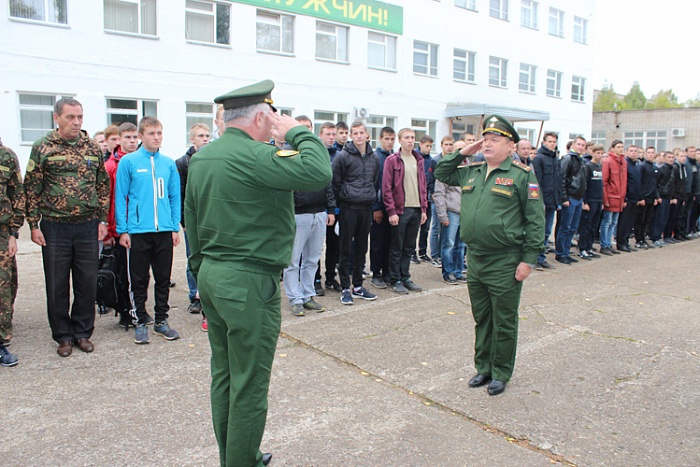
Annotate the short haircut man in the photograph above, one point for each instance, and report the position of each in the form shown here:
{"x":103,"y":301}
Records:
{"x":468,"y":137}
{"x":147,"y":205}
{"x":380,"y":231}
{"x":67,"y":188}
{"x":112,"y":139}
{"x":341,"y":134}
{"x":546,"y":166}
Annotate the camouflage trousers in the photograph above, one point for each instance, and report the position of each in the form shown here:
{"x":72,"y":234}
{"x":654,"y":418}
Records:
{"x":8,"y":289}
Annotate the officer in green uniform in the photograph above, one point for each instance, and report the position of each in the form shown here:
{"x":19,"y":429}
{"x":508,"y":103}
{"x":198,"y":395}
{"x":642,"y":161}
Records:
{"x":501,"y":220}
{"x":239,"y":210}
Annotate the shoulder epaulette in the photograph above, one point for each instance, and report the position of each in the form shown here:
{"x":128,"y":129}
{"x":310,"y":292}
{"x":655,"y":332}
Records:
{"x":522,"y":166}
{"x":477,"y":163}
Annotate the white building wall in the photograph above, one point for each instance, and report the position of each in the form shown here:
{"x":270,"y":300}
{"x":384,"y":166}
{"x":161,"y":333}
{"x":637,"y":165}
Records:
{"x":91,"y":64}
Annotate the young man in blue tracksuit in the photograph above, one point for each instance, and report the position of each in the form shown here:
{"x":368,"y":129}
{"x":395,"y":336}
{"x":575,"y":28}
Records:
{"x":147,"y":212}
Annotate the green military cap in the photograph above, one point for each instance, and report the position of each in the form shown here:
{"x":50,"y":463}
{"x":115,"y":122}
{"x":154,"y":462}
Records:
{"x":500,"y":126}
{"x":258,"y":93}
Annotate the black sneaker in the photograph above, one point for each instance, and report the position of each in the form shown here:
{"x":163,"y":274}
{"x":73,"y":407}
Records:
{"x":415,"y":259}
{"x":195,"y":307}
{"x":412,"y":286}
{"x":334,"y":286}
{"x":425,"y":257}
{"x":398,"y":288}
{"x":378,"y":282}
{"x":562,"y":259}
{"x":450,"y":279}
{"x":318,"y":287}
{"x":592,"y":254}
{"x":363,"y":294}
{"x":126,"y":321}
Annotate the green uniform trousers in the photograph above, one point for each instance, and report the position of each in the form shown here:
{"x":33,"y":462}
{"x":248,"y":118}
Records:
{"x":242,"y":303}
{"x":8,"y":288}
{"x":495,"y":296}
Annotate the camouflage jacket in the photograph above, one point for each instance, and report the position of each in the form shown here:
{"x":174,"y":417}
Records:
{"x":11,"y":192}
{"x":66,"y":182}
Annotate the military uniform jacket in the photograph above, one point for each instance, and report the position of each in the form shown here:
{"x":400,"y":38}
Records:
{"x":66,"y":182}
{"x":499,"y":213}
{"x":239,"y":205}
{"x":11,"y":193}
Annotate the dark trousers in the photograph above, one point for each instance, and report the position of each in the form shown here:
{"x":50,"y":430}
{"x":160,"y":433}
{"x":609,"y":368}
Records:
{"x":693,"y":213}
{"x":332,"y":251}
{"x":425,"y":231}
{"x":625,"y":224}
{"x":588,"y":225}
{"x":403,"y":244}
{"x":150,"y":251}
{"x":379,"y":243}
{"x":354,"y":224}
{"x":673,"y":213}
{"x":660,"y":217}
{"x":645,"y":216}
{"x":679,"y":229}
{"x":71,"y":250}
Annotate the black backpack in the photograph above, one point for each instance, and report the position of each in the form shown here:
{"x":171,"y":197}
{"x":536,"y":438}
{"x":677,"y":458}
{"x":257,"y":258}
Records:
{"x":112,"y":284}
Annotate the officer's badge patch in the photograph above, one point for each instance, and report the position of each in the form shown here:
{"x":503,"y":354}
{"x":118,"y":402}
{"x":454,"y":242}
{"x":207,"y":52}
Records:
{"x":502,"y":191}
{"x":4,"y":169}
{"x":287,"y":153}
{"x":504,"y":181}
{"x":533,"y":191}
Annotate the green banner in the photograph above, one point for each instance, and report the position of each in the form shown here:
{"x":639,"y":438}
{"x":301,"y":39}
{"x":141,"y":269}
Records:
{"x":366,"y":13}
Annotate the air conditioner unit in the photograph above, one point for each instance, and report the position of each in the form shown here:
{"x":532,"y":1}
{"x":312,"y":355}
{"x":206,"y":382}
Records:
{"x":361,"y":112}
{"x":678,"y":132}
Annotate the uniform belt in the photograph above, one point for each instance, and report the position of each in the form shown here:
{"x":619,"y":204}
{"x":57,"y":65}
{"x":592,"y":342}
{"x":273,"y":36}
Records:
{"x":71,"y":219}
{"x":250,"y":266}
{"x":483,"y":251}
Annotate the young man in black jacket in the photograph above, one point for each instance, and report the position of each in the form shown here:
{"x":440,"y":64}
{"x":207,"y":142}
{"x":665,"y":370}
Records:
{"x":633,"y":199}
{"x":650,"y":195}
{"x":592,"y":204}
{"x":667,"y":194}
{"x":547,"y":171}
{"x":573,"y":179}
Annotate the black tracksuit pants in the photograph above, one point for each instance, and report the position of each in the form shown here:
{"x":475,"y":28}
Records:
{"x":150,"y":251}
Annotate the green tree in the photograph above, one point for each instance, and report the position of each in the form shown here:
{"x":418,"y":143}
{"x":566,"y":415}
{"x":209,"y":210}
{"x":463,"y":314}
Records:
{"x":635,"y":98}
{"x":664,"y":99}
{"x":693,"y":102}
{"x":606,"y":99}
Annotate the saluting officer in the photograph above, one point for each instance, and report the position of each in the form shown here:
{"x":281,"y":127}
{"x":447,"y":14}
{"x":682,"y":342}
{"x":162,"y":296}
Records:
{"x":502,"y":222}
{"x":239,"y":209}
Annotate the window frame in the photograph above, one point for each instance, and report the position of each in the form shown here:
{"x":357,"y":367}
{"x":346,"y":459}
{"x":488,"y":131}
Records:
{"x":49,"y":6}
{"x":389,"y":45}
{"x":580,"y":30}
{"x":429,"y":128}
{"x":215,"y":15}
{"x":337,"y":117}
{"x":375,"y":128}
{"x":556,"y":15}
{"x":531,"y":78}
{"x":36,"y":108}
{"x":533,"y":12}
{"x":281,"y":17}
{"x":556,"y":90}
{"x":578,"y":88}
{"x":139,"y":112}
{"x":598,"y":137}
{"x":431,"y":66}
{"x":139,"y":17}
{"x":201,"y":117}
{"x":466,"y":4}
{"x":337,"y":27}
{"x":502,"y":68}
{"x":469,"y":61}
{"x":499,"y":12}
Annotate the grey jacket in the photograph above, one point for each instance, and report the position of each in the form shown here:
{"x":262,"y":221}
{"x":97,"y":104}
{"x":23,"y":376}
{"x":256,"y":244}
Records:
{"x":446,"y":198}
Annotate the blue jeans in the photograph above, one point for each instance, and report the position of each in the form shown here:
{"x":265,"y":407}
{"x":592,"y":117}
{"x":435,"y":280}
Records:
{"x":452,"y":250}
{"x":308,"y":243}
{"x":570,"y":216}
{"x":607,"y":226}
{"x":191,"y":283}
{"x":435,"y":234}
{"x":548,"y":223}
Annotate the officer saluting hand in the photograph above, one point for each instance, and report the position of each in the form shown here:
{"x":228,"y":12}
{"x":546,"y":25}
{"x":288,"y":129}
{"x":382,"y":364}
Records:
{"x":502,"y":223}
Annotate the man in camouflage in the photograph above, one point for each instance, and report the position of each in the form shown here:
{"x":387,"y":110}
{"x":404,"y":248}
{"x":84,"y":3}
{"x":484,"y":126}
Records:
{"x":67,"y":189}
{"x":11,"y":219}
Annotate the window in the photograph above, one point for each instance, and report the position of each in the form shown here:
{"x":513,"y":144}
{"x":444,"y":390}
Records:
{"x":528,"y":134}
{"x":634,"y":137}
{"x":578,"y":88}
{"x":196,"y":112}
{"x":275,"y":33}
{"x":423,"y":127}
{"x":642,"y":139}
{"x":498,"y":68}
{"x":425,"y":58}
{"x":499,"y":9}
{"x":527,"y":77}
{"x":573,"y":136}
{"x":46,"y":11}
{"x":580,"y":30}
{"x":556,"y":22}
{"x":285,"y":111}
{"x":132,"y":16}
{"x":323,"y":116}
{"x":374,"y":125}
{"x":528,"y":13}
{"x":598,"y":137}
{"x":467,"y":4}
{"x":121,"y":110}
{"x":381,"y":51}
{"x":459,"y":128}
{"x":553,"y":83}
{"x":36,"y":115}
{"x":331,"y":42}
{"x":463,"y":68}
{"x":207,"y":21}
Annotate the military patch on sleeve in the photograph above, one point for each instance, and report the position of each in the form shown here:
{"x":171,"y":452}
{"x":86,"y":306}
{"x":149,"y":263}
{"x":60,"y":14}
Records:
{"x":30,"y":165}
{"x":4,"y":169}
{"x":533,"y":191}
{"x":286,"y":153}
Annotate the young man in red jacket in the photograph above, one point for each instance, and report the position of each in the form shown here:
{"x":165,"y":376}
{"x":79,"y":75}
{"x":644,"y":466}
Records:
{"x":614,"y":192}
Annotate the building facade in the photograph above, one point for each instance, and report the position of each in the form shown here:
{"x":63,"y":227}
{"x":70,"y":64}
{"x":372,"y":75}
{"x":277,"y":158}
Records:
{"x":435,"y":66}
{"x":664,"y":129}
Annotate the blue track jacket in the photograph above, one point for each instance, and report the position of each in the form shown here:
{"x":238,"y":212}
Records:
{"x":147,"y":197}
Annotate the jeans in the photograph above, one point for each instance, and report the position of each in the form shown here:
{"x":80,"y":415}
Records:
{"x":548,"y":222}
{"x":452,"y":247}
{"x":71,"y":250}
{"x":308,"y":244}
{"x":570,"y":216}
{"x":191,"y":283}
{"x":424,"y":231}
{"x":379,"y":241}
{"x":435,"y":234}
{"x":403,"y":244}
{"x":607,"y":226}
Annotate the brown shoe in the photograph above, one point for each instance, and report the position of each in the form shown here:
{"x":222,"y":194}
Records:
{"x":85,"y":345}
{"x":65,"y":348}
